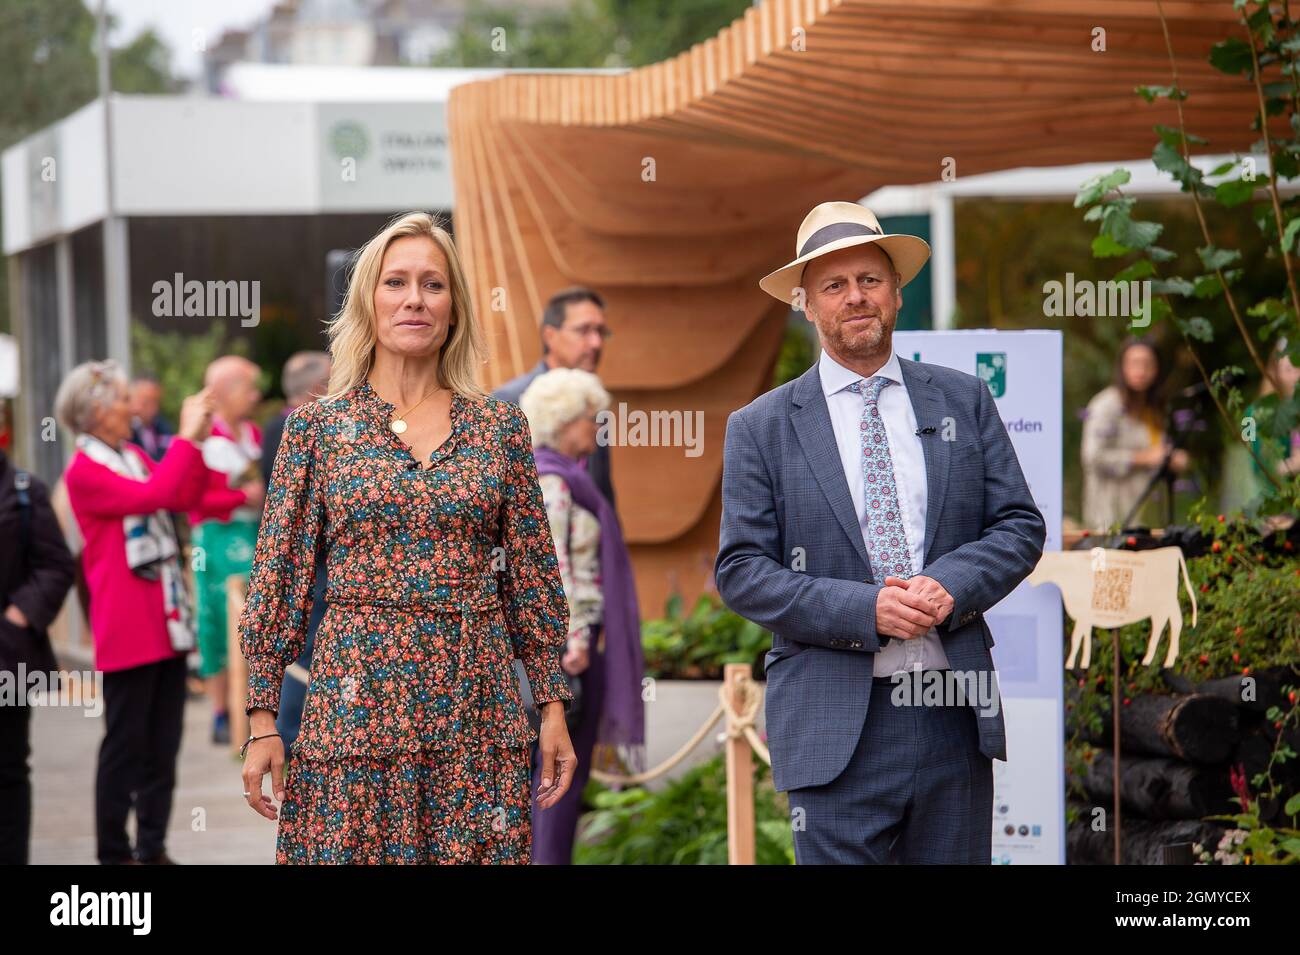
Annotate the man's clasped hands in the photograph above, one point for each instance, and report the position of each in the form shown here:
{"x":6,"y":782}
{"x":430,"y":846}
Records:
{"x":909,"y":607}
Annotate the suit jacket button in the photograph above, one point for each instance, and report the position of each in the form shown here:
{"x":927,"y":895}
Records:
{"x":857,"y":644}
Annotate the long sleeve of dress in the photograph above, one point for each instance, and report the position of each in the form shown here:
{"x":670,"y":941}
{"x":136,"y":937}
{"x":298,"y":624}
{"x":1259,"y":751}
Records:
{"x":536,"y":610}
{"x":273,"y":627}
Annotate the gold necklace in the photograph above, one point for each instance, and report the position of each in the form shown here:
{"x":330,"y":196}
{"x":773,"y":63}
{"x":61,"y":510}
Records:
{"x":397,"y":425}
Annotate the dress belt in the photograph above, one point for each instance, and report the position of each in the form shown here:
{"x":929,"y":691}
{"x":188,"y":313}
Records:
{"x":476,"y":596}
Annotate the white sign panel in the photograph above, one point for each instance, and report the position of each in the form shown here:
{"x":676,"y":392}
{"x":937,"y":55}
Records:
{"x":383,"y":156}
{"x":1023,"y":370}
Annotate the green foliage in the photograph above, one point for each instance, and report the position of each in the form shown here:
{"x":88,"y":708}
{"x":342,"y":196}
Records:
{"x":589,"y":34}
{"x":1257,"y":843}
{"x":144,"y":66}
{"x":48,"y":69}
{"x":798,"y":352}
{"x":1007,"y":251}
{"x":696,"y":646}
{"x":1248,"y":608}
{"x":683,"y":824}
{"x":48,"y":64}
{"x":179,"y":359}
{"x":1272,"y":40}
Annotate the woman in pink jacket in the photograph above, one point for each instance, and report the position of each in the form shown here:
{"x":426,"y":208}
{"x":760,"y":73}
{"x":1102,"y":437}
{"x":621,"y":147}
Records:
{"x":141,"y":614}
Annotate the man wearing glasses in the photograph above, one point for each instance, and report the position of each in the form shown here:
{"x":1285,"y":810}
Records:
{"x":573,"y":336}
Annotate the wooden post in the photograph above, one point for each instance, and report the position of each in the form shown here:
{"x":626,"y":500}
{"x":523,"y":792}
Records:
{"x":740,"y":772}
{"x":1114,"y":716}
{"x":236,"y":665}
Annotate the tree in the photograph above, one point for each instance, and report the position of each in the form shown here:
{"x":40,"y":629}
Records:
{"x":48,"y":69}
{"x":1264,"y":319}
{"x":589,"y":34}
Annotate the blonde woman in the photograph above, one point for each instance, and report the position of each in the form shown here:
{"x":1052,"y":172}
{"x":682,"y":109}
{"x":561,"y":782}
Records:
{"x":424,"y":495}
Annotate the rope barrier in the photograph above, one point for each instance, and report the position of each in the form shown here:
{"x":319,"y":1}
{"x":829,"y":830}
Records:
{"x":739,"y":724}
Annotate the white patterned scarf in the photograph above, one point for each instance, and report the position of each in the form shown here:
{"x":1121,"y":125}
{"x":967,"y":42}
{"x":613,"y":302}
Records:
{"x":151,"y":549}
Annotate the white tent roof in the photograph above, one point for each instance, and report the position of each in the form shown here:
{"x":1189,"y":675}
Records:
{"x":343,"y":84}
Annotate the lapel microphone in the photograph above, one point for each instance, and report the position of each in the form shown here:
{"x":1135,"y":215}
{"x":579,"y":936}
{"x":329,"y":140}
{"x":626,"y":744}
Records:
{"x":930,"y":429}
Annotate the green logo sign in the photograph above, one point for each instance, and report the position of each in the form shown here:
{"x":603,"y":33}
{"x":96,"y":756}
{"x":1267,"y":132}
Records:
{"x":349,"y":140}
{"x":991,"y":366}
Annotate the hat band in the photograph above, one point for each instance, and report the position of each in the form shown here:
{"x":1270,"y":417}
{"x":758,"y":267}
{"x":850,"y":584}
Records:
{"x":834,"y":231}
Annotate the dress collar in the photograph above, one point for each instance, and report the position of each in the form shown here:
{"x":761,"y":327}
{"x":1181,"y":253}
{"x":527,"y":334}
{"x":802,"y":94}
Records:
{"x":384,"y":411}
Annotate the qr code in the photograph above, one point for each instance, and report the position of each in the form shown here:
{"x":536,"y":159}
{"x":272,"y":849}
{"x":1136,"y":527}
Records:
{"x":1111,"y":588}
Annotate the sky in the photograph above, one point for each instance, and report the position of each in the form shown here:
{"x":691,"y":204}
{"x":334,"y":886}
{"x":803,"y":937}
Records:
{"x":179,"y":22}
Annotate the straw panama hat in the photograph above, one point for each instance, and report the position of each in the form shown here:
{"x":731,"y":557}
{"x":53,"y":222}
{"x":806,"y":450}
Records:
{"x":832,"y":226}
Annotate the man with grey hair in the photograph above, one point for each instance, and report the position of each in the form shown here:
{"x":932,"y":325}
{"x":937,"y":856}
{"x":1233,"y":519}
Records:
{"x":305,"y":377}
{"x":574,"y":332}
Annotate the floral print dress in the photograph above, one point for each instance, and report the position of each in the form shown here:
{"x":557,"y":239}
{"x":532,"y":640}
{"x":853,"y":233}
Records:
{"x":414,"y":745}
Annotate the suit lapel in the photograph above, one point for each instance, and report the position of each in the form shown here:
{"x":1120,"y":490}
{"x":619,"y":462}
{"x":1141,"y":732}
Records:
{"x":929,"y":406}
{"x":812,"y":425}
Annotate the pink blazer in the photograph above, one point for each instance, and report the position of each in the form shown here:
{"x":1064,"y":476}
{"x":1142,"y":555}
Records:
{"x":126,"y":611}
{"x":219,"y":498}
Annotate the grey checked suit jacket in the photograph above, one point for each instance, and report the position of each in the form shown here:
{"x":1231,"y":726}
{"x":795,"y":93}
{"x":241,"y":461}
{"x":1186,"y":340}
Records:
{"x":785,"y":499}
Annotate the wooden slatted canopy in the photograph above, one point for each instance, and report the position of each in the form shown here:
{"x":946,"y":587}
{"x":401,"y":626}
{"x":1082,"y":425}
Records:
{"x":797,"y":102}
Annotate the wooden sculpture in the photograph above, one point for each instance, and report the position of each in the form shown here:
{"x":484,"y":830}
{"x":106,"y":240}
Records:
{"x":672,"y":188}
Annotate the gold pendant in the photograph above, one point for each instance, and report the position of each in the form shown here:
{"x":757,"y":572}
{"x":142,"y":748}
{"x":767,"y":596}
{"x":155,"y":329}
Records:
{"x":397,"y":426}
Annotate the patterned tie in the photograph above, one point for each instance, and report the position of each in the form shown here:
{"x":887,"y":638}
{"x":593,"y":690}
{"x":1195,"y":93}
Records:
{"x":886,"y":538}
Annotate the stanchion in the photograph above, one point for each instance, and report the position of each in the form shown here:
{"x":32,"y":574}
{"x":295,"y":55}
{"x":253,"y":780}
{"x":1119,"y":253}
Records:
{"x":737,"y":685}
{"x":739,"y":699}
{"x":236,"y":665}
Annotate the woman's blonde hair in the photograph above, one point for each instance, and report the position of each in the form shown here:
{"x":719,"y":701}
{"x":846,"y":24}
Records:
{"x":559,"y":397}
{"x":352,"y":334}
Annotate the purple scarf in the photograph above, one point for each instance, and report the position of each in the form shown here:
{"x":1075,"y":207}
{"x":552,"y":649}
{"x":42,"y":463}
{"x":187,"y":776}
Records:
{"x":622,"y":717}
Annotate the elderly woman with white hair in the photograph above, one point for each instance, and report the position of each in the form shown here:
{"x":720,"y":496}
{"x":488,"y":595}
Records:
{"x":141,"y":614}
{"x":563,"y":407}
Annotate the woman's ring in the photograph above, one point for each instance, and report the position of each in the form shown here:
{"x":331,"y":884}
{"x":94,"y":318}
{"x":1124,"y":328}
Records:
{"x":246,"y":795}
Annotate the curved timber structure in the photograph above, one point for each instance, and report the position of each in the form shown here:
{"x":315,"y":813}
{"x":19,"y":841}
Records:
{"x":673,"y":188}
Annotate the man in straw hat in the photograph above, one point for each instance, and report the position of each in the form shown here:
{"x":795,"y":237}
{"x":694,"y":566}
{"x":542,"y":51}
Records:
{"x":873,"y":509}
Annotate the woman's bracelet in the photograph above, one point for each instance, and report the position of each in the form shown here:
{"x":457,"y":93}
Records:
{"x":251,"y":738}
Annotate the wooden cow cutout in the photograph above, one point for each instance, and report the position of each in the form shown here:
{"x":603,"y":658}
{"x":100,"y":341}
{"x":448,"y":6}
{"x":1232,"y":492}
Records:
{"x":1110,"y":588}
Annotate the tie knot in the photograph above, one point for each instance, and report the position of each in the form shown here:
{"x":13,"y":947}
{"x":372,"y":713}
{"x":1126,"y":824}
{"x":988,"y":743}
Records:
{"x":870,"y":388}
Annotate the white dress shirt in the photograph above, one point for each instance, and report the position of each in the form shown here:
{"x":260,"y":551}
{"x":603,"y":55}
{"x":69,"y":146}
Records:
{"x":895,"y":406}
